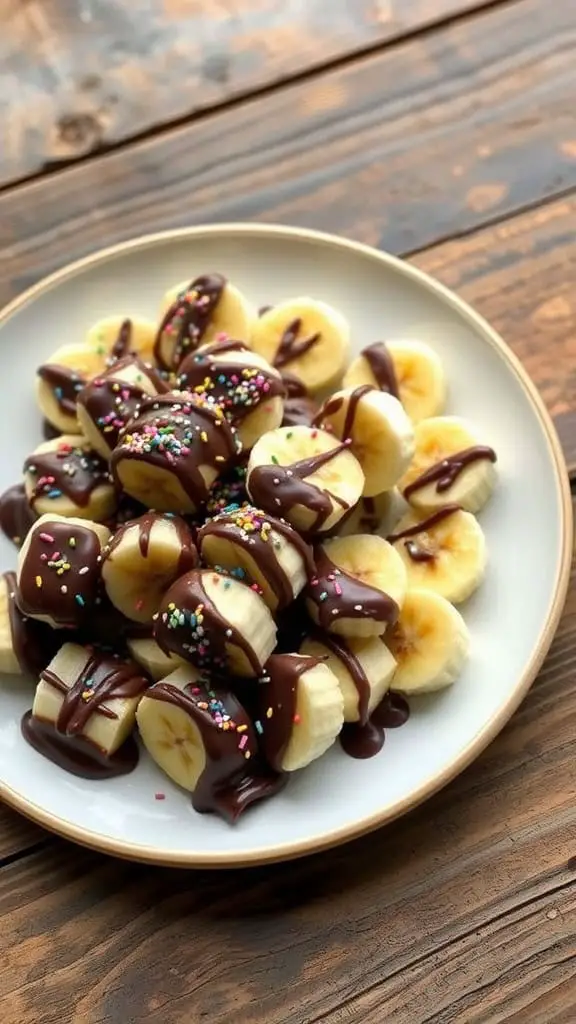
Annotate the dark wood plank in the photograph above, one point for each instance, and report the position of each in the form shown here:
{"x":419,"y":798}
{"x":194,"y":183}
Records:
{"x":78,"y":77}
{"x":463,"y":911}
{"x":17,"y":834}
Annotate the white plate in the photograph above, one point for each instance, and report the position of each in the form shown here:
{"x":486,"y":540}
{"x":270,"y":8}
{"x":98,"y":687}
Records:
{"x":512,"y":618}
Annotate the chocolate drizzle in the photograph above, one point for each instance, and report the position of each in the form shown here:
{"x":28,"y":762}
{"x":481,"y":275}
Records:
{"x":186,"y":320}
{"x":365,"y":740}
{"x":190,"y":625}
{"x":16,"y":514}
{"x":333,"y":405}
{"x":447,"y":471}
{"x":290,"y":348}
{"x":178,"y":433}
{"x":238,"y":389}
{"x":34,"y":643}
{"x":279,"y":488}
{"x":416,"y":551}
{"x":121,"y":346}
{"x":60,"y":575}
{"x":103,"y":678}
{"x":232,"y":778}
{"x":111,"y":402}
{"x":65,"y":384}
{"x":337,"y":595}
{"x":381,"y":364}
{"x":278,"y":695}
{"x":250,"y":529}
{"x":71,"y":470}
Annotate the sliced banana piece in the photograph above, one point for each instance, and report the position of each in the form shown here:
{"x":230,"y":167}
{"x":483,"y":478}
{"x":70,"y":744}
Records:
{"x":84,"y":710}
{"x":307,"y":337}
{"x":143,"y":559}
{"x":216,"y":622}
{"x":199,"y":312}
{"x":305,"y":476}
{"x":430,"y":642}
{"x":359,"y":586}
{"x":249,"y":391}
{"x":444,"y":552}
{"x":381,"y":435}
{"x":410,"y":370}
{"x":363,"y":666}
{"x":66,"y":477}
{"x":114,"y":337}
{"x":107,"y":404}
{"x":58,"y":382}
{"x":58,"y":578}
{"x":301,"y":710}
{"x":171,"y":454}
{"x":450,"y":465}
{"x":259,"y":549}
{"x":146,"y":653}
{"x":200,"y":735}
{"x":26,"y":646}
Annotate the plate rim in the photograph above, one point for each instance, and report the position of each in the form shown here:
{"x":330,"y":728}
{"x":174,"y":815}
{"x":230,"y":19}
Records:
{"x":299,"y":848}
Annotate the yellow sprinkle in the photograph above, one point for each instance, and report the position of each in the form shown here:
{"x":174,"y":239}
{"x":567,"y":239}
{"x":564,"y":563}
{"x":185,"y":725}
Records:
{"x":171,"y":606}
{"x":38,"y":581}
{"x":247,"y":754}
{"x":204,"y":436}
{"x":269,"y":713}
{"x":242,"y":728}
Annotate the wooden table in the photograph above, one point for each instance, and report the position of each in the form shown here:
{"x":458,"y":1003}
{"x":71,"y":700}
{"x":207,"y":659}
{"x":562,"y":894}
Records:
{"x":445,"y":131}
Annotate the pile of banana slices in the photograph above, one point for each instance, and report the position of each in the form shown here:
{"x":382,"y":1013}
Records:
{"x":202,"y":555}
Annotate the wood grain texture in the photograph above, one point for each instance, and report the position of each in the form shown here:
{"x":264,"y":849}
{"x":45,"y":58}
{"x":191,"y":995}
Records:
{"x":463,"y":911}
{"x":79,"y":76}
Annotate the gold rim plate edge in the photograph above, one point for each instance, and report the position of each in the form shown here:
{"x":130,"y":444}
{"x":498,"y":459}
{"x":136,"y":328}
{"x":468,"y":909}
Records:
{"x":291,"y":851}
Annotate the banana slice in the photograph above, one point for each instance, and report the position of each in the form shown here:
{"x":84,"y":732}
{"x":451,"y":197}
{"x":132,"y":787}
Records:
{"x":363,"y":666}
{"x":84,"y":711}
{"x":60,"y":379}
{"x":146,"y":653}
{"x":115,"y":337}
{"x":446,"y":552}
{"x":381,"y":435}
{"x":216,"y":622}
{"x":200,"y":735}
{"x":143,"y":559}
{"x":198,"y":312}
{"x":409,"y":370}
{"x":58,"y":575}
{"x":66,"y":477}
{"x":170,"y":455}
{"x":301,"y":710}
{"x":107,"y":404}
{"x":305,"y":476}
{"x":16,"y":516}
{"x":430,"y":642}
{"x":372,"y":515}
{"x":259,"y":549}
{"x":449,"y":465}
{"x":307,"y":337}
{"x":26,"y":646}
{"x":241,"y":382}
{"x":359,"y":586}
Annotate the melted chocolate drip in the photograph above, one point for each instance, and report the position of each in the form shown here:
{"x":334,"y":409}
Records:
{"x":230,"y":384}
{"x":446,"y":472}
{"x":75,"y":471}
{"x":34,"y":643}
{"x":357,"y":674}
{"x":78,"y":755}
{"x":188,"y":558}
{"x":333,"y":405}
{"x":178,"y":433}
{"x":279,"y":488}
{"x":416,"y":552}
{"x":380,"y":362}
{"x":290,"y":348}
{"x":264,"y":309}
{"x":187,"y":319}
{"x":232,"y":778}
{"x":337,"y":595}
{"x":247,"y":529}
{"x":278,"y":694}
{"x":121,"y":346}
{"x":16,"y":514}
{"x":111,"y":402}
{"x":61,"y":573}
{"x":65,"y":384}
{"x":362,"y":741}
{"x":190,"y":625}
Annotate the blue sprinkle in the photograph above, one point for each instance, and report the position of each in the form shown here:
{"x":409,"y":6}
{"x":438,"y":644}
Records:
{"x":54,"y":493}
{"x":259,"y":728}
{"x":59,"y":393}
{"x":79,"y":600}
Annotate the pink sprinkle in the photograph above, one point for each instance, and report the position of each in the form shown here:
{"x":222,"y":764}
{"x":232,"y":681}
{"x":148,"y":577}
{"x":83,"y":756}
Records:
{"x":243,"y":742}
{"x":46,"y":537}
{"x":338,"y":589}
{"x":55,"y":556}
{"x":221,"y":336}
{"x":159,"y":796}
{"x":314,"y":583}
{"x":43,"y":557}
